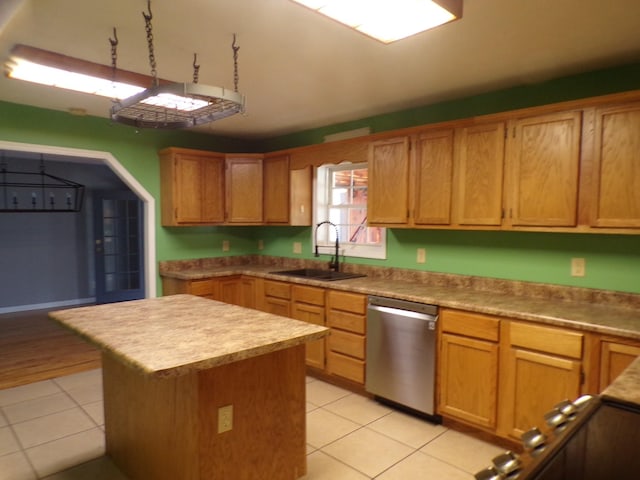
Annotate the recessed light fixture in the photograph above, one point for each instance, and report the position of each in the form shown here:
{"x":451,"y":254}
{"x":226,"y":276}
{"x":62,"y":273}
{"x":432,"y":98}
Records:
{"x":388,"y":20}
{"x":57,"y":76}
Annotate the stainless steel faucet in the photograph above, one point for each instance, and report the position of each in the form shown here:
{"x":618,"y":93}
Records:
{"x":334,"y":264}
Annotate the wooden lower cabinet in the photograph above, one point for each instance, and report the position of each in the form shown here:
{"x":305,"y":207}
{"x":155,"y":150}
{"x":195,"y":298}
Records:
{"x":236,"y":289}
{"x":501,"y":375}
{"x":307,"y":304}
{"x":540,"y":366}
{"x":207,"y":287}
{"x":346,"y":316}
{"x":615,"y":356}
{"x":277,"y":298}
{"x":469,"y":367}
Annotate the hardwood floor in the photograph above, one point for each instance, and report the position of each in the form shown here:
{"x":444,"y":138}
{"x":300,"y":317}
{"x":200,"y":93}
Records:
{"x":34,"y":348}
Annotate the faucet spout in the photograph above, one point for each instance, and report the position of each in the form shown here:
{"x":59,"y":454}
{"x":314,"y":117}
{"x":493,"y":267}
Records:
{"x":334,"y":264}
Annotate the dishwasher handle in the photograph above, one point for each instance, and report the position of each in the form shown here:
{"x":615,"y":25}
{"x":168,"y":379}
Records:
{"x":427,"y":317}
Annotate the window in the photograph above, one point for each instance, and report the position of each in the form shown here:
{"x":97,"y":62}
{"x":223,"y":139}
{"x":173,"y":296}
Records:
{"x":341,"y":198}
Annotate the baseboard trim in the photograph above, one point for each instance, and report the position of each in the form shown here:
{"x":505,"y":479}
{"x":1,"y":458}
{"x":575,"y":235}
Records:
{"x":48,"y":305}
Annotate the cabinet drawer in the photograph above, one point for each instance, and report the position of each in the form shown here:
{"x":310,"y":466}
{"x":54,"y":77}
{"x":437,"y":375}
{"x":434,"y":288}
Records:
{"x":347,"y":321}
{"x":346,"y":367}
{"x":348,"y":302}
{"x":470,"y":324}
{"x":312,"y":295}
{"x":347,"y":343}
{"x":546,"y":339}
{"x":201,"y":287}
{"x":277,"y":289}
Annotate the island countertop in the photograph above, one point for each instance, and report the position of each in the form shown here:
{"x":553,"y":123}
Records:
{"x":173,"y":335}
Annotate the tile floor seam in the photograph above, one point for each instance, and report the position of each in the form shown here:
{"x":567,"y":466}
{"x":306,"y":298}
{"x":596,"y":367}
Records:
{"x":47,"y":414}
{"x":33,"y":398}
{"x":457,"y":467}
{"x":360,"y":427}
{"x":344,"y":463}
{"x":23,"y":452}
{"x":396,"y":463}
{"x":400,"y":441}
{"x":352,"y":420}
{"x":60,"y":438}
{"x":81,"y":407}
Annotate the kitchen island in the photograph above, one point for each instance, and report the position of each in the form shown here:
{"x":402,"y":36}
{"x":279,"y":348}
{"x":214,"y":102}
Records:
{"x":171,"y":364}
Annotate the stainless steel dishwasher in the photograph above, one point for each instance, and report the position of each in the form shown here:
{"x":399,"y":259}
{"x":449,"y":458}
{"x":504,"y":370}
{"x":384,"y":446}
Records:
{"x":401,"y":352}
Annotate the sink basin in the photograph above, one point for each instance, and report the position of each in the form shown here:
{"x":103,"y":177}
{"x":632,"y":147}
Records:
{"x":317,"y":274}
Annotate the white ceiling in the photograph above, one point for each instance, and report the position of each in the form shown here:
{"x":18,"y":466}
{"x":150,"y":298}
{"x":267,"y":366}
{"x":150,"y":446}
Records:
{"x":300,"y":70}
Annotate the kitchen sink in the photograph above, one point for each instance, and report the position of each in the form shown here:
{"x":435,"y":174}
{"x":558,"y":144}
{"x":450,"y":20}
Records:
{"x":317,"y":274}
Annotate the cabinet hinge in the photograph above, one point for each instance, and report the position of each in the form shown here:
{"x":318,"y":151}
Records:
{"x":506,"y":133}
{"x":582,"y":377}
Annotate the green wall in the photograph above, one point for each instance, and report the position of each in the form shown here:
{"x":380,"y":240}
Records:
{"x":612,"y":261}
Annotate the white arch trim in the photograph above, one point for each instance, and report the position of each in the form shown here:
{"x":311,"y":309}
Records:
{"x":149,"y":203}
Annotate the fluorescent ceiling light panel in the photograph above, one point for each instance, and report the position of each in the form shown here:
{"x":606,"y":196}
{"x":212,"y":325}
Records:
{"x":21,"y":69}
{"x":388,"y":20}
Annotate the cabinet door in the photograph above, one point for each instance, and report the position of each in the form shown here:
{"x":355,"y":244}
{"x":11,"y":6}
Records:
{"x":229,"y":290}
{"x":276,"y":189}
{"x":544,"y":156}
{"x":615,"y":199}
{"x":311,"y":314}
{"x":388,"y":201}
{"x":614,"y":358}
{"x":535,"y":382}
{"x":479,"y":175}
{"x":433,"y":174}
{"x":301,"y":189}
{"x":212,"y":178}
{"x":244,"y":189}
{"x":469,"y":379}
{"x":247,"y":292}
{"x":188,"y":188}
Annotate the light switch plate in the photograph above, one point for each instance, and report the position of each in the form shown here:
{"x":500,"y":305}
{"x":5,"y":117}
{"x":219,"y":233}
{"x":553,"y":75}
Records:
{"x":225,"y":245}
{"x":297,"y":247}
{"x":260,"y":244}
{"x":421,"y":255}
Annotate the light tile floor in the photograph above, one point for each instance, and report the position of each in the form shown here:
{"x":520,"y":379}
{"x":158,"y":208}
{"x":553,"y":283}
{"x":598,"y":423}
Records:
{"x":54,"y":430}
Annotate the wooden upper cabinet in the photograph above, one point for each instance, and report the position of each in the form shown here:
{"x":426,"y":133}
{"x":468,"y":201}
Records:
{"x":300,"y":196}
{"x":276,"y":189}
{"x":544,"y":157}
{"x":192,"y":187}
{"x":244,"y":188}
{"x":388,"y":191}
{"x":433,"y":173}
{"x":479,"y":175}
{"x":615,"y":194}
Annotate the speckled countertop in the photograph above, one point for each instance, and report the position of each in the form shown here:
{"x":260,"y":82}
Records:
{"x":173,"y":335}
{"x":605,"y":312}
{"x":626,"y":387}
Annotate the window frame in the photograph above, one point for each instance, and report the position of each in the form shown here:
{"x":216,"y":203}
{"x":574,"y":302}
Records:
{"x":324,"y":235}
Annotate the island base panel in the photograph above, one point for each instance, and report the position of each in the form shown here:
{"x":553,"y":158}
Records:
{"x":166,"y":428}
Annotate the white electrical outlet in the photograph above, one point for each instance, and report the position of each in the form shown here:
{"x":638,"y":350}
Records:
{"x":297,"y":247}
{"x":225,"y":418}
{"x":260,"y":244}
{"x":578,"y":267}
{"x":225,"y":245}
{"x":421,"y":255}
